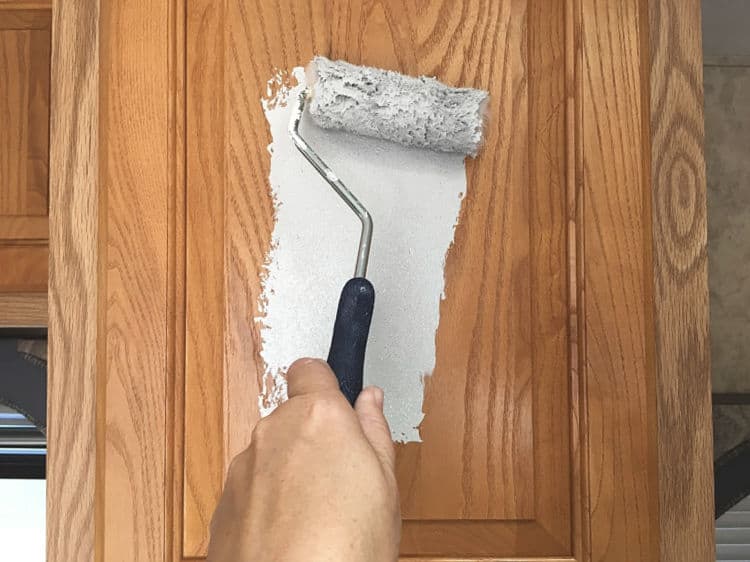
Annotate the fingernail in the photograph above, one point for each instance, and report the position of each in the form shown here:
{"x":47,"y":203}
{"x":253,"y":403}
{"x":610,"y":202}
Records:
{"x":378,"y":396}
{"x":311,"y":360}
{"x":305,"y":362}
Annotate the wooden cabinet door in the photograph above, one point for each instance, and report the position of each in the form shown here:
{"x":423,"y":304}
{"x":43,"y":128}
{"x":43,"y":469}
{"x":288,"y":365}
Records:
{"x":567,"y":413}
{"x":497,"y":472}
{"x":501,"y":470}
{"x":25,"y":37}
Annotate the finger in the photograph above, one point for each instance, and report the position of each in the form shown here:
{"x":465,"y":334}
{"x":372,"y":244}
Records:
{"x":369,"y":408}
{"x":307,"y":376}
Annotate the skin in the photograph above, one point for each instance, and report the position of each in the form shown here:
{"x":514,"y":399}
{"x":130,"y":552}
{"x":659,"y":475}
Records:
{"x":317,"y":482}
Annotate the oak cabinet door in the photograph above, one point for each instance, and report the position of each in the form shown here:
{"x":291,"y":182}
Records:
{"x":24,"y":147}
{"x":564,"y":410}
{"x":498,"y":471}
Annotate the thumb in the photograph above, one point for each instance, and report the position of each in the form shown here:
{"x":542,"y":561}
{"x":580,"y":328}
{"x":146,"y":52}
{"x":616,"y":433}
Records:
{"x":369,"y":409}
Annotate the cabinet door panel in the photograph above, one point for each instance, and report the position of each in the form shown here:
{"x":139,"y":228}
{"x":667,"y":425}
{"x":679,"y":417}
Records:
{"x":24,"y":112}
{"x":493,"y":473}
{"x":25,"y":38}
{"x":561,"y":338}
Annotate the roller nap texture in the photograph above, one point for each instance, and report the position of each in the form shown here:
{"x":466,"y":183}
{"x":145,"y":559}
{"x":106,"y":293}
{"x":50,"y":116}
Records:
{"x":383,"y":104}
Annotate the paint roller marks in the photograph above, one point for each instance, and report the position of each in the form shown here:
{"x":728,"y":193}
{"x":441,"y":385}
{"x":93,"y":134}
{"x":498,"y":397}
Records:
{"x":414,"y":197}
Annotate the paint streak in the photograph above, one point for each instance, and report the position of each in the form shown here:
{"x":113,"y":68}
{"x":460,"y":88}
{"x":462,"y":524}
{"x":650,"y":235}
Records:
{"x":414,"y":197}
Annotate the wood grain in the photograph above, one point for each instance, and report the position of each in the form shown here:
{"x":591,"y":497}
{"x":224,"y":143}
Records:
{"x":618,"y":368}
{"x":136,"y":172}
{"x":204,"y":359}
{"x":555,"y":444}
{"x":24,"y":115}
{"x":24,"y":148}
{"x":581,"y":507}
{"x":24,"y":228}
{"x":24,"y":267}
{"x":541,"y":180}
{"x":25,"y":4}
{"x":74,"y":322}
{"x":21,"y":17}
{"x":509,"y":260}
{"x":249,"y":207}
{"x":678,"y":179}
{"x":478,"y":432}
{"x":115,"y":228}
{"x":23,"y":309}
{"x":176,"y":286}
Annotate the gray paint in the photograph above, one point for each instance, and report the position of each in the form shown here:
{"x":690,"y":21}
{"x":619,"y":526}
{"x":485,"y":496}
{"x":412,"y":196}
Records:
{"x":414,"y":197}
{"x":383,"y":104}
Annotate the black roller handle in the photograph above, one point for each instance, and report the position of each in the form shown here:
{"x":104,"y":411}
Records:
{"x":350,"y":331}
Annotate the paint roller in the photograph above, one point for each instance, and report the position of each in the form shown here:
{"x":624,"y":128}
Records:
{"x":413,"y":111}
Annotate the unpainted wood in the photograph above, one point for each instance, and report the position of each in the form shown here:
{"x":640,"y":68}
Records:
{"x":37,"y":123}
{"x":135,"y":172}
{"x":555,"y":438}
{"x":678,"y":178}
{"x":24,"y":114}
{"x":616,"y":279}
{"x":23,"y":310}
{"x":25,"y":4}
{"x":24,"y":267}
{"x":176,"y":326}
{"x":20,"y":16}
{"x":74,"y":294}
{"x":24,"y":228}
{"x":507,"y":212}
{"x":581,"y":524}
{"x":250,"y":215}
{"x":205,"y":265}
{"x":541,"y":182}
{"x":479,"y":429}
{"x":24,"y":148}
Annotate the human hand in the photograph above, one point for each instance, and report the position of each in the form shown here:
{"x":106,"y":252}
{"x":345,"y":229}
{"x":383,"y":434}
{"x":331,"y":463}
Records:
{"x":317,"y":482}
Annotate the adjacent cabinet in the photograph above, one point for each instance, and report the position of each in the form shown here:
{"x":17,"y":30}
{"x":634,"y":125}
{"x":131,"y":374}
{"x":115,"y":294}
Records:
{"x":568,"y":415}
{"x":25,"y":42}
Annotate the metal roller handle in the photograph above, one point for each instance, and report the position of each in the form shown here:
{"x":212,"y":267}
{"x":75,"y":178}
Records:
{"x":365,"y":238}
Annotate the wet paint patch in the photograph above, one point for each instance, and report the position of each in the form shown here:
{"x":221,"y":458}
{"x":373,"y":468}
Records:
{"x":414,"y":197}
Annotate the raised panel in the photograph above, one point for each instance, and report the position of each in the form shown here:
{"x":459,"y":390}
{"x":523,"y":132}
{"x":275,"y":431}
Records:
{"x":496,"y":438}
{"x":24,"y":268}
{"x":617,"y":278}
{"x":24,"y":113}
{"x":23,"y":310}
{"x":24,"y":228}
{"x":204,"y":262}
{"x":25,"y":38}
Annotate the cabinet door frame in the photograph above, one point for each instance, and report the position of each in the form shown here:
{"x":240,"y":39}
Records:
{"x":117,"y":251}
